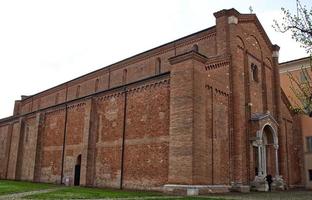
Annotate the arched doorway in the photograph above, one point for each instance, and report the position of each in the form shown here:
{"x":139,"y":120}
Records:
{"x":77,"y":171}
{"x":267,"y":152}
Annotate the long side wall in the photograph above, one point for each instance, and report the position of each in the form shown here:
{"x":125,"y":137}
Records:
{"x":119,"y":137}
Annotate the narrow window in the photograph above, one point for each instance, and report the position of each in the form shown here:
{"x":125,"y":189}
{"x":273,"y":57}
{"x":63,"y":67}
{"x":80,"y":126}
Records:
{"x":309,"y":144}
{"x":124,"y":76}
{"x":254,"y":72}
{"x":26,"y":134}
{"x":157,"y":66}
{"x":56,"y":98}
{"x":96,"y":85}
{"x":195,"y":48}
{"x":78,"y":91}
{"x":310,"y":174}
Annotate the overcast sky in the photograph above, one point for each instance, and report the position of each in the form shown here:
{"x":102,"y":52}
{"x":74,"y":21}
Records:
{"x":45,"y":43}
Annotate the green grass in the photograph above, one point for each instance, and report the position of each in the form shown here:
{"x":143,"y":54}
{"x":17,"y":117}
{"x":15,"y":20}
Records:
{"x":189,"y":198}
{"x":10,"y":187}
{"x":96,"y":193}
{"x":90,"y":193}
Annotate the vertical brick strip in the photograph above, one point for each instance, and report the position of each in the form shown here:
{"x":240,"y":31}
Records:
{"x":8,"y":148}
{"x":187,"y":120}
{"x":19,"y":161}
{"x":39,"y":150}
{"x":282,"y":130}
{"x":86,"y":160}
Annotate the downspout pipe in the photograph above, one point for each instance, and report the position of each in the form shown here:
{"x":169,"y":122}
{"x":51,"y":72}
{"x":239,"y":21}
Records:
{"x":123,"y":138}
{"x":64,"y":140}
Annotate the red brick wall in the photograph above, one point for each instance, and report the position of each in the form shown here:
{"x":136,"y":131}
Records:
{"x":74,"y":138}
{"x":4,"y":149}
{"x":51,"y":158}
{"x":13,"y":150}
{"x":147,"y":137}
{"x":28,"y":148}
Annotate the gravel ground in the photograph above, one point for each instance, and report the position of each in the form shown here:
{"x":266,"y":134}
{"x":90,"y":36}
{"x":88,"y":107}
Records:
{"x":282,"y":195}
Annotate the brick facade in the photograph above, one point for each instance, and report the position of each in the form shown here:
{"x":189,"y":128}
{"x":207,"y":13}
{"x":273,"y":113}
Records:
{"x":177,"y":115}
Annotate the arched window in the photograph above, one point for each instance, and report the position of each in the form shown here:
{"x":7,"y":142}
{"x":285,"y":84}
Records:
{"x":57,"y":98}
{"x":254,"y":72}
{"x":157,"y":66}
{"x":124,"y":76}
{"x":195,"y":48}
{"x":78,"y":91}
{"x":96,"y":87}
{"x":26,"y":133}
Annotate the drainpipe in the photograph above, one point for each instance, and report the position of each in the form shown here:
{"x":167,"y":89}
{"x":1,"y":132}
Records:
{"x":123,"y":138}
{"x":64,"y":140}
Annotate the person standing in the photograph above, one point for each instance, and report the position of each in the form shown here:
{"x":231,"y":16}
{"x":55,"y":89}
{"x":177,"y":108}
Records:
{"x":269,"y":180}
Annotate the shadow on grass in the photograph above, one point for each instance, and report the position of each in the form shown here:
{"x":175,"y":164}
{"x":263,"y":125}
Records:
{"x":11,"y":187}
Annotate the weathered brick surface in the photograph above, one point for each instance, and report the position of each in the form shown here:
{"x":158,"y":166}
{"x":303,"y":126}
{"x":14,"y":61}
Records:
{"x":147,"y":136}
{"x":52,"y":145}
{"x":28,"y":147}
{"x":5,"y":136}
{"x":13,"y":151}
{"x":190,"y":125}
{"x":73,"y":139}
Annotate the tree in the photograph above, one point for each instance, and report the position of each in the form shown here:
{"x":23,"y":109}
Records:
{"x":300,"y":25}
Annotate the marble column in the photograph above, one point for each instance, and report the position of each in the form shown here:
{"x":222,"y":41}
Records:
{"x":276,"y":160}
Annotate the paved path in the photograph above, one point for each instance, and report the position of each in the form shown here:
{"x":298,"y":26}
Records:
{"x":23,"y":194}
{"x":282,"y":195}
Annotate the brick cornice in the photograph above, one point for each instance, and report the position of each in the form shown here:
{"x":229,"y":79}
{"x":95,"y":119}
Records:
{"x":191,"y":55}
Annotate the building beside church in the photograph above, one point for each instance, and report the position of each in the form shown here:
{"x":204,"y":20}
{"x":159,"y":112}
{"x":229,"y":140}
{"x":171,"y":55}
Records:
{"x":305,"y":122}
{"x":202,"y":113}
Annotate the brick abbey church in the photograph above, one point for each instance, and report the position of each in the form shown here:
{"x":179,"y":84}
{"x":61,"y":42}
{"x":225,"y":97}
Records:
{"x":204,"y":113}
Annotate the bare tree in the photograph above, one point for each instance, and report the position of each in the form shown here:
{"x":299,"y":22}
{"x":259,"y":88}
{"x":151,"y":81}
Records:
{"x":300,"y":25}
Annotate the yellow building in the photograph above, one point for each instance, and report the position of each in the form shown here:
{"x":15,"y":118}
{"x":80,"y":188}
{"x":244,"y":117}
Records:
{"x":295,"y":68}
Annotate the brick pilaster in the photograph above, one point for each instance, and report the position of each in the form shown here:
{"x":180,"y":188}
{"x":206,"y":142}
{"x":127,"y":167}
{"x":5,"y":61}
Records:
{"x":19,"y":155}
{"x":39,"y":145}
{"x":187,"y":144}
{"x":88,"y":149}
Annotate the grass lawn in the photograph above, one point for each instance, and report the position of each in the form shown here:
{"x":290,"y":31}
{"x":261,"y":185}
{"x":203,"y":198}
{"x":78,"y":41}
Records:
{"x":9,"y":187}
{"x":89,"y":193}
{"x":96,"y":193}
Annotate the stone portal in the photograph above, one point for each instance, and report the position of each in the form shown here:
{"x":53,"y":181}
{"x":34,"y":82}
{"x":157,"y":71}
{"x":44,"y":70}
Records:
{"x":265,"y":147}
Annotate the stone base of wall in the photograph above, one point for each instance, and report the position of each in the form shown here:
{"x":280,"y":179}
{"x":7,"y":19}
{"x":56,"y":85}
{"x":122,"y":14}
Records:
{"x":193,"y":190}
{"x":260,"y":184}
{"x":240,"y":188}
{"x":278,"y":183}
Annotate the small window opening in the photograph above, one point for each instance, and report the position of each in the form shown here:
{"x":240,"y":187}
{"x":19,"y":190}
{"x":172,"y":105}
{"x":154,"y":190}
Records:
{"x":157,"y":66}
{"x":96,"y":85}
{"x":56,"y":98}
{"x":254,"y":70}
{"x":195,"y":48}
{"x":124,"y":76}
{"x":78,"y":91}
{"x":309,"y":144}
